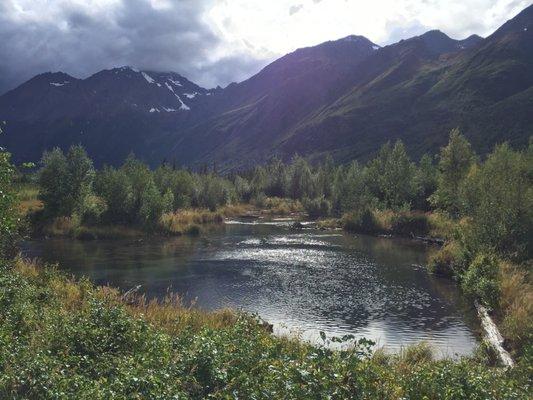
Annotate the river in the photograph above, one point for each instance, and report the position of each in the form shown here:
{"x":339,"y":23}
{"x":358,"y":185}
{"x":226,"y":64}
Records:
{"x":303,"y":282}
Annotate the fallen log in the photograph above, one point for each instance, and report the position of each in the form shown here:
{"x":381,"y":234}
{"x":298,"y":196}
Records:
{"x":493,"y":336}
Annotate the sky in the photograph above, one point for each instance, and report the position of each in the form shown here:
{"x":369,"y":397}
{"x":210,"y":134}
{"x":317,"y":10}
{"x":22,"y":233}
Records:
{"x":213,"y":42}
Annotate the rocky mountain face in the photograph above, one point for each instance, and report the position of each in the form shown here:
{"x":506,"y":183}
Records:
{"x":345,"y":97}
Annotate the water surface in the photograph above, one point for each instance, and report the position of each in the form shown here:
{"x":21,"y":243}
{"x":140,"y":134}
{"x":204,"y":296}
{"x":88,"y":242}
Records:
{"x":301,"y":281}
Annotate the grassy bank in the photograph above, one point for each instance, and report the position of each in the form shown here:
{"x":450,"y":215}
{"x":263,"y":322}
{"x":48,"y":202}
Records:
{"x":398,"y":223}
{"x":60,"y":338}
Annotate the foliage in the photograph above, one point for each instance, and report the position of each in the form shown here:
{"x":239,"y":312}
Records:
{"x":409,"y":224}
{"x":316,"y":208}
{"x":65,"y":339}
{"x":449,"y":261}
{"x":480,"y":280}
{"x":9,"y":219}
{"x":498,"y":197}
{"x":392,"y":177}
{"x":454,"y":163}
{"x":362,"y":221}
{"x":66,"y":181}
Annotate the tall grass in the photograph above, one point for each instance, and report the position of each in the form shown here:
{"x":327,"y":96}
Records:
{"x":516,"y":308}
{"x":188,"y":221}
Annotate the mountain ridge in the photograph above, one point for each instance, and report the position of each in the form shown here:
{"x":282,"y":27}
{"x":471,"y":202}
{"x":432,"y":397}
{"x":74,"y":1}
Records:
{"x":346,"y":97}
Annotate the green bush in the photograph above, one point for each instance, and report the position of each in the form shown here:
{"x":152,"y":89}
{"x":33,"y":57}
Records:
{"x":481,"y":280}
{"x":317,"y":208}
{"x":449,"y":261}
{"x":410,"y":223}
{"x":9,"y":220}
{"x":362,"y":221}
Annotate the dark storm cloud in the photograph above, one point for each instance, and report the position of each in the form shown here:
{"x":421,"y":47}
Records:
{"x":81,"y":40}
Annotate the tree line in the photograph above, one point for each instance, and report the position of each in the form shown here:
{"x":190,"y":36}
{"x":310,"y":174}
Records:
{"x":495,"y":194}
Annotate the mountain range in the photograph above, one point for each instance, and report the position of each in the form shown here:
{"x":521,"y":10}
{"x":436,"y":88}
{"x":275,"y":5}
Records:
{"x":345,"y":97}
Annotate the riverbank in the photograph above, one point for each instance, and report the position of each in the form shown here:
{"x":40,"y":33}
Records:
{"x":72,"y":339}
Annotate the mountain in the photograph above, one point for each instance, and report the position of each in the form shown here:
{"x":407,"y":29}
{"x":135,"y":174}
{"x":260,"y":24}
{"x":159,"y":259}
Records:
{"x":346,"y":97}
{"x":111,"y":113}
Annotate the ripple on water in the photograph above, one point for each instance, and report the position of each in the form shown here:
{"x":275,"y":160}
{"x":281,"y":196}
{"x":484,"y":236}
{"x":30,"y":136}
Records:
{"x":303,"y":282}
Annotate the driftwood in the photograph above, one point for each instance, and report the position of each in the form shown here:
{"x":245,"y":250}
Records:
{"x":493,"y":336}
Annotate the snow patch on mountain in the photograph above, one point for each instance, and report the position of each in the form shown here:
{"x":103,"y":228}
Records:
{"x":59,"y":83}
{"x":183,"y":106}
{"x":148,"y":78}
{"x":174,"y":82}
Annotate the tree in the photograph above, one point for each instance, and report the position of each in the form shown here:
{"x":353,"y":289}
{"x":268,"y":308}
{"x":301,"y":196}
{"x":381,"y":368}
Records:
{"x":498,"y":198}
{"x":115,"y":188}
{"x":301,"y":179}
{"x":350,"y":192}
{"x":278,"y":180}
{"x":65,"y":182}
{"x":53,"y":182}
{"x":426,"y":177}
{"x":454,"y":163}
{"x":392,"y":176}
{"x":80,"y":176}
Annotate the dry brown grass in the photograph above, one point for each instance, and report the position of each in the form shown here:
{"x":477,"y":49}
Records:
{"x":28,"y":198}
{"x":516,"y":306}
{"x":172,"y":315}
{"x":184,"y":221}
{"x":281,"y":206}
{"x":169,"y":314}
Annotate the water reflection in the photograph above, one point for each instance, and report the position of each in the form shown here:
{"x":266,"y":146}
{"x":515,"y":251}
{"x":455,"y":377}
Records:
{"x":304,"y":281}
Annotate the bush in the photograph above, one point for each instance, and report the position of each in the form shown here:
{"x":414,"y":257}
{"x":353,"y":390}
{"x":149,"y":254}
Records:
{"x":94,"y":210}
{"x":317,"y":208}
{"x":362,"y":221}
{"x":9,"y":221}
{"x":448,"y":261}
{"x":481,"y":280}
{"x":409,"y":223}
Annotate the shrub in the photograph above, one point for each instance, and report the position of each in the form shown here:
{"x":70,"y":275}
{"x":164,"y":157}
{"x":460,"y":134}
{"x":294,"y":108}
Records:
{"x":410,"y":223}
{"x":9,"y":221}
{"x":448,"y":261}
{"x":94,"y":210}
{"x":362,"y":221}
{"x":317,"y":208}
{"x":481,"y":280}
{"x":516,"y":307}
{"x":415,"y":354}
